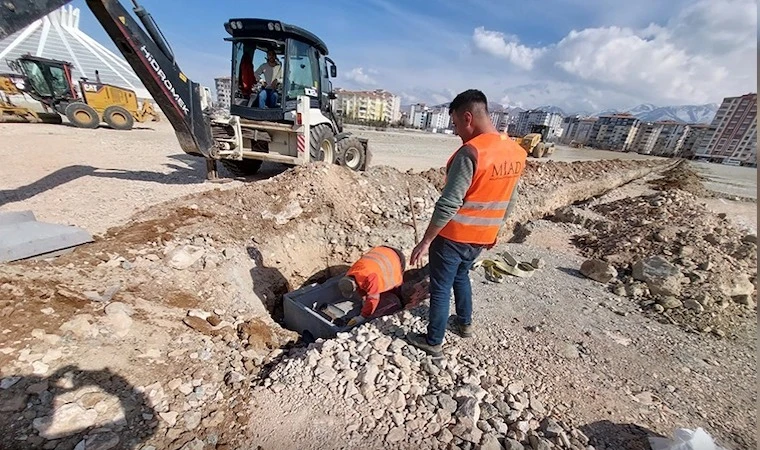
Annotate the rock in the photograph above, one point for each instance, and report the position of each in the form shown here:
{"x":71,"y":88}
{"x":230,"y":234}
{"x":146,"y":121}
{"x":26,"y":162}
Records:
{"x":199,"y":325}
{"x":447,"y":403}
{"x":40,"y":368}
{"x":16,"y":402}
{"x":736,"y":286}
{"x":120,"y":323}
{"x":487,"y":411}
{"x":598,"y":270}
{"x":536,"y":404}
{"x":669,"y":302}
{"x":37,"y":388}
{"x":52,"y":355}
{"x":79,"y":325}
{"x":116,"y":308}
{"x":750,"y":238}
{"x":539,"y":443}
{"x":746,"y":300}
{"x":65,"y":420}
{"x":538,"y":263}
{"x":7,"y":382}
{"x":445,"y":436}
{"x":183,"y":257}
{"x":232,"y":377}
{"x":705,"y":299}
{"x":658,"y":308}
{"x":516,"y":387}
{"x":489,"y":442}
{"x":661,"y":277}
{"x":192,"y":420}
{"x":551,"y":428}
{"x":169,"y":417}
{"x":511,"y":444}
{"x":195,"y":444}
{"x":186,"y":388}
{"x":326,"y":374}
{"x":396,"y":434}
{"x":101,"y":441}
{"x":570,"y":351}
{"x":468,"y":412}
{"x":368,"y":374}
{"x":693,"y":305}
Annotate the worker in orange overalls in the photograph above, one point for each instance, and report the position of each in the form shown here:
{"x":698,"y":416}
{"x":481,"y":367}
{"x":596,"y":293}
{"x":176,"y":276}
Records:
{"x":379,"y":270}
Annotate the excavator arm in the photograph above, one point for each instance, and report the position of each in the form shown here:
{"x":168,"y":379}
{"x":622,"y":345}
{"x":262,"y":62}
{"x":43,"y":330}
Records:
{"x":146,"y":51}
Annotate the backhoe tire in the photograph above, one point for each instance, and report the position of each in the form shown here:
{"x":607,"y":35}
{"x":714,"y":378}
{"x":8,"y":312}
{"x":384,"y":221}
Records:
{"x":118,"y":118}
{"x":82,"y":115}
{"x":322,"y":143}
{"x":351,"y":153}
{"x":244,"y":168}
{"x":538,"y":150}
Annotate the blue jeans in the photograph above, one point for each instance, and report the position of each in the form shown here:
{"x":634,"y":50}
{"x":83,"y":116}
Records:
{"x":450,"y":264}
{"x":267,"y":98}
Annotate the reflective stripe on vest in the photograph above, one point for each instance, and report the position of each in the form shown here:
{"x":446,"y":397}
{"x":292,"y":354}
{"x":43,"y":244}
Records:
{"x":498,"y":167}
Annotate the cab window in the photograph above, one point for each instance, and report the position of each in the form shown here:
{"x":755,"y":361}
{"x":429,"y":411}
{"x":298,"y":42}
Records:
{"x":303,"y":70}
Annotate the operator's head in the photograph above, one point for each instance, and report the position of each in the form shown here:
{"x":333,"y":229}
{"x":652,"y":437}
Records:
{"x":469,"y":114}
{"x":347,"y":286}
{"x":271,"y":56}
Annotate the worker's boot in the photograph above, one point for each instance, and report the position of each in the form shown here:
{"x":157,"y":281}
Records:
{"x":420,"y":341}
{"x":464,"y":331}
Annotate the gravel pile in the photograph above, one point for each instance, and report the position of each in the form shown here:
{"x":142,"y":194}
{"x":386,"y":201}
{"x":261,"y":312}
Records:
{"x":675,"y":256}
{"x":396,"y":395}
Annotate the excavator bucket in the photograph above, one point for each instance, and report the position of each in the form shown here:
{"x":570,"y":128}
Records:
{"x":15,"y":15}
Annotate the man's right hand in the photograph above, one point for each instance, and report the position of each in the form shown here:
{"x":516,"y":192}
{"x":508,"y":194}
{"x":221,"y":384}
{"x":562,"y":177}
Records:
{"x":419,"y":251}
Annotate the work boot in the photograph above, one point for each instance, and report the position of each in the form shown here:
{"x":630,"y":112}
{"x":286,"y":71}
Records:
{"x":463,"y":330}
{"x":420,"y":341}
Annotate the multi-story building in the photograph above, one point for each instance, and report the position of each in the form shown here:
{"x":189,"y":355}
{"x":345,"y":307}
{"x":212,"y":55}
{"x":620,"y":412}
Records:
{"x":692,"y":139}
{"x":438,"y":118}
{"x":369,"y":106}
{"x":646,"y":137}
{"x":418,"y":115}
{"x":527,"y":119}
{"x":671,"y":138}
{"x":223,"y":88}
{"x":732,"y":137}
{"x":614,"y":132}
{"x":500,"y":120}
{"x":577,"y":129}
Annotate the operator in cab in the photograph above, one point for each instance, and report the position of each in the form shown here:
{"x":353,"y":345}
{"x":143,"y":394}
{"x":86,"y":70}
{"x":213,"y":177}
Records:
{"x":379,"y":270}
{"x":272,"y":80}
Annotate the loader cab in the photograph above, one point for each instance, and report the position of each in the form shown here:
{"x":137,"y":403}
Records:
{"x":48,"y":80}
{"x":302,"y":65}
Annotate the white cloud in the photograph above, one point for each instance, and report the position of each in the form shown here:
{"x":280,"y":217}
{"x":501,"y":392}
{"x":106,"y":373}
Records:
{"x":506,"y":47}
{"x":705,"y":52}
{"x":358,"y":76}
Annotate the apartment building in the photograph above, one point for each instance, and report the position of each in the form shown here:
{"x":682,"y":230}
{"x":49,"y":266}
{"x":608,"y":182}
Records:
{"x":577,"y":129}
{"x":732,"y":137}
{"x":438,"y":118}
{"x":671,"y":138}
{"x":526,"y":120}
{"x":223,"y":87}
{"x":692,"y":139}
{"x":369,"y":106}
{"x":500,"y":120}
{"x":418,"y":115}
{"x":614,"y":132}
{"x":646,"y":137}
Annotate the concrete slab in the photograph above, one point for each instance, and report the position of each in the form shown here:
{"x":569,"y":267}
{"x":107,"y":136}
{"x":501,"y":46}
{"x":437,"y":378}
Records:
{"x":22,"y":236}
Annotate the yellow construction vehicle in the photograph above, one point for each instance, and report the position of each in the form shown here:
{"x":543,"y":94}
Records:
{"x":12,"y":84}
{"x":535,"y":143}
{"x":85,"y":104}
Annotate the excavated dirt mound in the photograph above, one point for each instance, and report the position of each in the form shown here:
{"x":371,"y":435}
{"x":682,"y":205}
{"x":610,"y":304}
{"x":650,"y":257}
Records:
{"x":708,"y":270}
{"x":683,"y":177}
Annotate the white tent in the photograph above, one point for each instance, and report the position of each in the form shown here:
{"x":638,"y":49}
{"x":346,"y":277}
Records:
{"x":57,"y":36}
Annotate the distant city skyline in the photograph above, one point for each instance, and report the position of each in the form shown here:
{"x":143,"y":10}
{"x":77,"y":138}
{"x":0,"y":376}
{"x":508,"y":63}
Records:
{"x":579,"y":56}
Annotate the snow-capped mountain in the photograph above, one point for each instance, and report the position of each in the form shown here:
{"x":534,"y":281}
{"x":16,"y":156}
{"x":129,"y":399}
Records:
{"x":683,"y":114}
{"x":552,"y":109}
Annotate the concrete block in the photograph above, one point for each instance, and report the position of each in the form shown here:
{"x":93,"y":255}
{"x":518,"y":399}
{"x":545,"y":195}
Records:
{"x":21,"y":237}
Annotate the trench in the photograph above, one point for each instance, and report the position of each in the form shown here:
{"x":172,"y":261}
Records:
{"x":294,"y":271}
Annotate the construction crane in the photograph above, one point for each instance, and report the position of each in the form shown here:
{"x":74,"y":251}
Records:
{"x":299,"y":127}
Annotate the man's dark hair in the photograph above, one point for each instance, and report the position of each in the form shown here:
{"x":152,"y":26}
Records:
{"x":469,"y":100}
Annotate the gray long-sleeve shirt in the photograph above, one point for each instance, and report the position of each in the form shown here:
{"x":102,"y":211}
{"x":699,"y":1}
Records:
{"x":458,"y":180}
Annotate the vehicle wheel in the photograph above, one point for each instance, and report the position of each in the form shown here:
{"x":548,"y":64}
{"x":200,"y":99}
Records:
{"x":244,"y":168}
{"x":538,"y":150}
{"x":351,"y":153}
{"x":322,"y":143}
{"x":118,"y":118}
{"x":82,"y":115}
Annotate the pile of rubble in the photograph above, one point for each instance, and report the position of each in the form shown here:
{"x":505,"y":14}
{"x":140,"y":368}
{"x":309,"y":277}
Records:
{"x":684,"y":178}
{"x":680,"y":260}
{"x":393,"y":394}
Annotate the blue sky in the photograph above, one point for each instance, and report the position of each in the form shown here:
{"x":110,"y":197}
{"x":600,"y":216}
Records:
{"x":581,"y":55}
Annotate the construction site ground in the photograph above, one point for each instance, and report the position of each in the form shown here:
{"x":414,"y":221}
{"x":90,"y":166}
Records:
{"x":165,"y":332}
